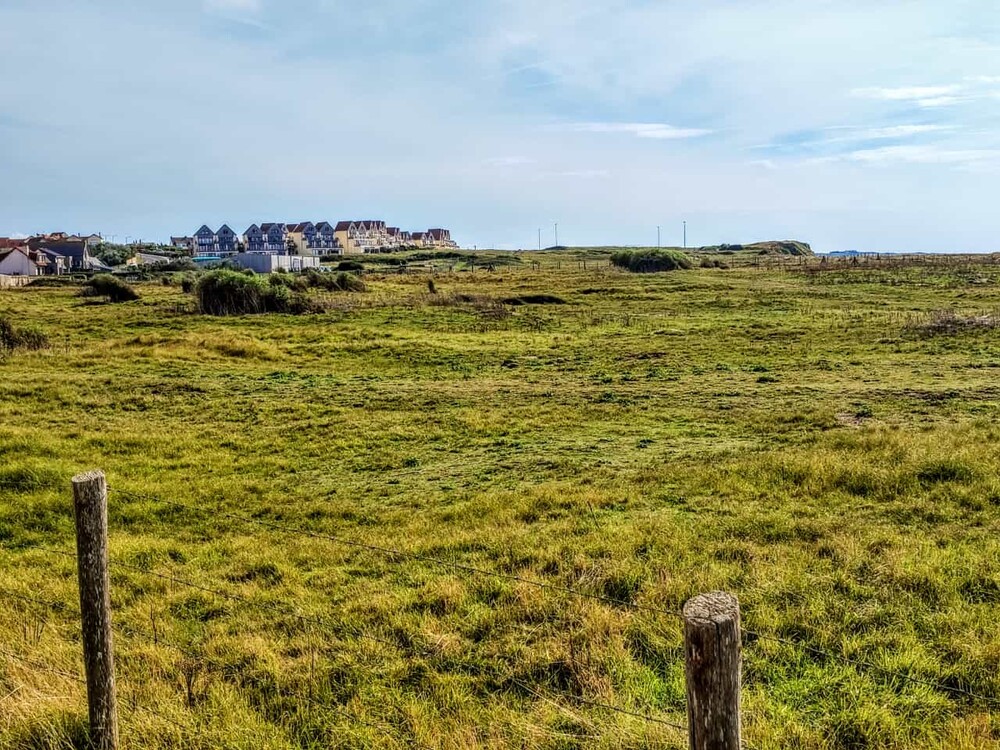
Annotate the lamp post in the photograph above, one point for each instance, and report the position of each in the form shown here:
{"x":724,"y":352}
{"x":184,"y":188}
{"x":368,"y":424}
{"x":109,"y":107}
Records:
{"x":657,"y":236}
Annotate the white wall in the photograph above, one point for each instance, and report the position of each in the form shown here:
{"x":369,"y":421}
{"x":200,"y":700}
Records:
{"x":18,"y":264}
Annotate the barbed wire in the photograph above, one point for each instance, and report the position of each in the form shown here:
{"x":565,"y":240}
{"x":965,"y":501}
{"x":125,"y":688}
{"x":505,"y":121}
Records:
{"x":334,"y":627}
{"x":418,"y":557}
{"x":864,"y":664}
{"x":599,"y":704}
{"x":43,"y":667}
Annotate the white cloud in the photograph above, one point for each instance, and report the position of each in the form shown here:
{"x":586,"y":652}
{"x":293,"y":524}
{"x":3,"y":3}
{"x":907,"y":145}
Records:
{"x":656,"y":130}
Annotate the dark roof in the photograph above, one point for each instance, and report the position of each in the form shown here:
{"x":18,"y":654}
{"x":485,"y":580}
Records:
{"x":266,"y":226}
{"x":300,"y":227}
{"x":343,"y":226}
{"x":75,"y":250}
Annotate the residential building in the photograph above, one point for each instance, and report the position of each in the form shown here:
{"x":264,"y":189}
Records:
{"x":253,"y":239}
{"x":226,"y":240}
{"x":147,"y":259}
{"x":215,"y":244}
{"x":15,"y":261}
{"x":205,"y":242}
{"x":326,"y":240}
{"x":183,"y":243}
{"x":302,"y":237}
{"x":441,"y":238}
{"x":74,"y":250}
{"x":275,"y":238}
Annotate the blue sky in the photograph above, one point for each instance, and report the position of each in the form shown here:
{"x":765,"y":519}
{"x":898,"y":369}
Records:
{"x":852,"y":125}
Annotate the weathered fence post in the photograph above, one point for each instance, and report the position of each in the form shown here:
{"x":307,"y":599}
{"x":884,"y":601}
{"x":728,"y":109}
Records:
{"x":713,"y":667}
{"x":90,"y":508}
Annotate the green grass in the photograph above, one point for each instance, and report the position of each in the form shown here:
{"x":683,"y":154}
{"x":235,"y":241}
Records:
{"x":809,"y":440}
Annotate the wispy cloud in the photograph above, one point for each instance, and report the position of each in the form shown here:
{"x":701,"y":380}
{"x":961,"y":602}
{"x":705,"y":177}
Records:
{"x":972,"y":88}
{"x":915,"y":155}
{"x":655,"y":130}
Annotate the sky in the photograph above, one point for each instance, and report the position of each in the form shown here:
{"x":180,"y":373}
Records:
{"x":866,"y":125}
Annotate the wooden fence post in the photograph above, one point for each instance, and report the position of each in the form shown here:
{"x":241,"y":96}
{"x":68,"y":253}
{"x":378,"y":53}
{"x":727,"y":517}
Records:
{"x":713,"y":669}
{"x":90,"y":508}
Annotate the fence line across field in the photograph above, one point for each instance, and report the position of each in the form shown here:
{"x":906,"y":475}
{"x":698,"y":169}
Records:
{"x":59,"y":606}
{"x":306,"y":533}
{"x":461,"y":567}
{"x":713,"y":634}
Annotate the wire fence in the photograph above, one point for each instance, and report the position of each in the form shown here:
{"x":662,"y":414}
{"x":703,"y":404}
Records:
{"x":407,"y":648}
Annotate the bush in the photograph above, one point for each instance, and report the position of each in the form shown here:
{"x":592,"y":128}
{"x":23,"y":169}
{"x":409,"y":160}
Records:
{"x":225,"y":292}
{"x":12,"y":337}
{"x":188,"y":283}
{"x":650,"y":261}
{"x":350,"y":265}
{"x":333,"y":282}
{"x":110,"y":287}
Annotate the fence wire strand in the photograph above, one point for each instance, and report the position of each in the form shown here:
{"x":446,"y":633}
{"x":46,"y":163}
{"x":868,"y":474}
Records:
{"x":294,"y":530}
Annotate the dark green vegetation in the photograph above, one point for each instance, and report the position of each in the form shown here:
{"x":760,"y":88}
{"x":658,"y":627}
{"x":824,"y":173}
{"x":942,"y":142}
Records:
{"x":821,"y":440}
{"x":110,"y":288}
{"x":225,"y":292}
{"x":651,"y":261}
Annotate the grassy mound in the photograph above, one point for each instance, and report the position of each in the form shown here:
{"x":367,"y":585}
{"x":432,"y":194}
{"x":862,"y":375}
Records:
{"x":650,"y":261}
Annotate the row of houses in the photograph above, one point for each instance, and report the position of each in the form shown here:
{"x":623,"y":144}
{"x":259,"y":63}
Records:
{"x":309,"y":239}
{"x":49,"y":254}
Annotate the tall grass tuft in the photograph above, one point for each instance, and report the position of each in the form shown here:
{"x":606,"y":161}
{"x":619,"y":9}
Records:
{"x":651,"y":261}
{"x":13,"y":337}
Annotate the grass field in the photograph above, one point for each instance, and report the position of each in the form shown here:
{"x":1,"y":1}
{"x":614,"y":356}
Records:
{"x":824,"y":445}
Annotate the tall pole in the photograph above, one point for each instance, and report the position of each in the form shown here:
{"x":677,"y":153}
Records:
{"x":539,"y":238}
{"x":685,"y":235}
{"x":657,"y":235}
{"x":557,"y":234}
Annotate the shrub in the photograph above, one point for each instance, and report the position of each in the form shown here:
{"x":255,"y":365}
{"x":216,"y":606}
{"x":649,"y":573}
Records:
{"x":431,"y":288}
{"x":110,"y":287}
{"x":188,"y":283}
{"x":225,"y":292}
{"x":12,"y":337}
{"x":333,"y":282}
{"x":350,"y":265}
{"x":650,"y":261}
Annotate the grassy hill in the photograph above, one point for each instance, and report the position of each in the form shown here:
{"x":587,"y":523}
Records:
{"x":820,"y":440}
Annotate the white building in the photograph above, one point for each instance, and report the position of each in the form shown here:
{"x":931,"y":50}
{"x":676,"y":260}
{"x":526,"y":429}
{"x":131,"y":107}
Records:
{"x":15,"y":262}
{"x":262,"y":263}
